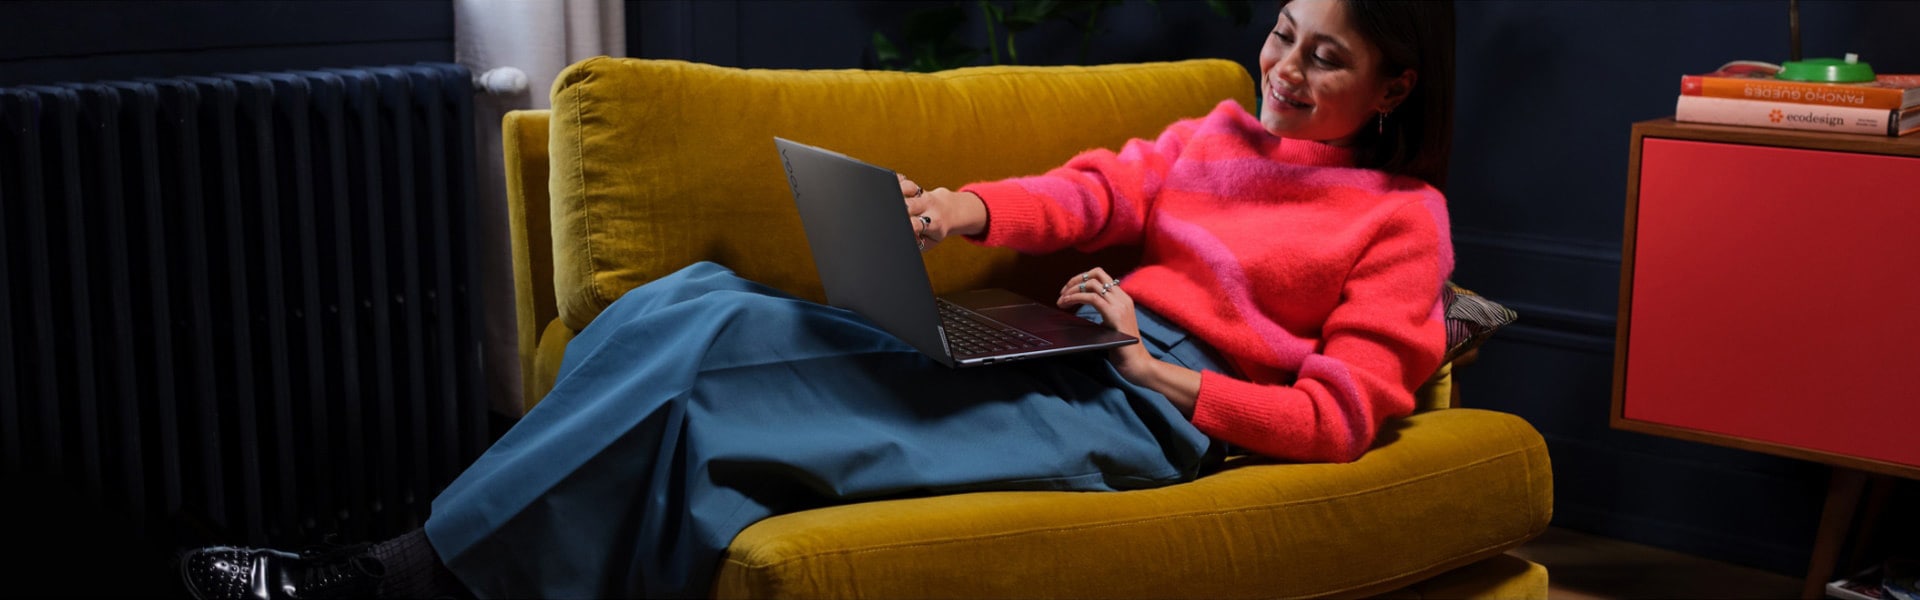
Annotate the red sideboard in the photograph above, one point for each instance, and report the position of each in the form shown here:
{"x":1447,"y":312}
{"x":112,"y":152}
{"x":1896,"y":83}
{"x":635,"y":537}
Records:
{"x":1770,"y":299}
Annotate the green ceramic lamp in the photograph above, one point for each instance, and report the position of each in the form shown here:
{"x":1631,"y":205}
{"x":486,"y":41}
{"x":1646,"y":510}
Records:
{"x":1827,"y":70}
{"x":1821,"y":70}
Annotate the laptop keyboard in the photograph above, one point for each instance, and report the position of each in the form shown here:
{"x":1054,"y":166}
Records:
{"x":968,"y":334}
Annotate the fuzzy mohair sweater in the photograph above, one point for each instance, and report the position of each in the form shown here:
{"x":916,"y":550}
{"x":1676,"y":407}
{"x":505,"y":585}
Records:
{"x":1318,"y":281}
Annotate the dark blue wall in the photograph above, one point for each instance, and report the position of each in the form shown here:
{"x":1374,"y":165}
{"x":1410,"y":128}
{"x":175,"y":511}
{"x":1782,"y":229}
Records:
{"x":44,"y":41}
{"x":1547,"y":93}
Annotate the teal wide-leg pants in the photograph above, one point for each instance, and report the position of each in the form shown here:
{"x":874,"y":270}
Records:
{"x":702,"y":402}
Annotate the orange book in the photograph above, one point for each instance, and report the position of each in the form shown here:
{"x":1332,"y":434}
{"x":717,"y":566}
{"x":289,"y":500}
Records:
{"x":1755,"y":81}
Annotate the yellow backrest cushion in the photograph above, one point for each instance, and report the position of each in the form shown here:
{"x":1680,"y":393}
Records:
{"x":657,"y":164}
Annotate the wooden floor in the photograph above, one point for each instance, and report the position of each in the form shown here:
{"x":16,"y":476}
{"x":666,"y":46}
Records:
{"x":1587,"y":567}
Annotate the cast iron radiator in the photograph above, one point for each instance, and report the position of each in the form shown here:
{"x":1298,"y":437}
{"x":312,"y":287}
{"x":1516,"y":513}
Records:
{"x":243,"y":302}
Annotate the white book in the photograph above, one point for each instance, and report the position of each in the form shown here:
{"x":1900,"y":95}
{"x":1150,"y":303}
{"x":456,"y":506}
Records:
{"x":1790,"y":115}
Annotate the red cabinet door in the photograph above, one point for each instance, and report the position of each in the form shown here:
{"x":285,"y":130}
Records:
{"x":1775,"y":297}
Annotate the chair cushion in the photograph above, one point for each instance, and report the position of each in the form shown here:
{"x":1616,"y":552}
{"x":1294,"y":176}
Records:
{"x":1444,"y":489}
{"x":657,"y":164}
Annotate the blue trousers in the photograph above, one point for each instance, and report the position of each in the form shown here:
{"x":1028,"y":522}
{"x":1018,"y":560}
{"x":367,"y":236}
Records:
{"x":702,"y":402}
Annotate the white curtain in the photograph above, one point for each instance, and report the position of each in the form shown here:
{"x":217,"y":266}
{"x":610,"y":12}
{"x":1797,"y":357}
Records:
{"x":515,"y":48}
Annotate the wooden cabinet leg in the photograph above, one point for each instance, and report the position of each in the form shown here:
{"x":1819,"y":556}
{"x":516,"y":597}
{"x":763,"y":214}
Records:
{"x":1867,"y":526}
{"x":1836,"y":518}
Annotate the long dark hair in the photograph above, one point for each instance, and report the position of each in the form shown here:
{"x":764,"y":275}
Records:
{"x":1418,"y":134}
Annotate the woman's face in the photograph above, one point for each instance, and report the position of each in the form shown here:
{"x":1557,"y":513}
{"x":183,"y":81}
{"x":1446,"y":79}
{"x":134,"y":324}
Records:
{"x":1320,"y":79}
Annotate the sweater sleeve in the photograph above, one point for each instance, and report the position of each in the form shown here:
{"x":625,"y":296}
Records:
{"x":1378,"y":346}
{"x":1099,"y":198}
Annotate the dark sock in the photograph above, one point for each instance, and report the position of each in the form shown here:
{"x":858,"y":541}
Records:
{"x":414,"y":569}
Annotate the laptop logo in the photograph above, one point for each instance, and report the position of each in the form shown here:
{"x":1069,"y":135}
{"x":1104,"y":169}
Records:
{"x":787,"y":163}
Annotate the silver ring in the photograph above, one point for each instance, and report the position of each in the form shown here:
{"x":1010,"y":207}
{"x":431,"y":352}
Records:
{"x":1087,"y":276}
{"x":1110,"y":285}
{"x":1083,"y":287}
{"x":918,"y":192}
{"x":925,"y":222}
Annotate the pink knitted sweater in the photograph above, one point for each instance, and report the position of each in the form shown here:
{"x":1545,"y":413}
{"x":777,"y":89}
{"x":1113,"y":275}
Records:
{"x":1319,"y":282}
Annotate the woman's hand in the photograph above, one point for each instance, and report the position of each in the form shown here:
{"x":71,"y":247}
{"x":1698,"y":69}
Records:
{"x":1102,"y":291}
{"x":937,"y":213}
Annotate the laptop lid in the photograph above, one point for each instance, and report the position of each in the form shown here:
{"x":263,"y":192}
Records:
{"x":857,"y":227}
{"x":858,"y":231}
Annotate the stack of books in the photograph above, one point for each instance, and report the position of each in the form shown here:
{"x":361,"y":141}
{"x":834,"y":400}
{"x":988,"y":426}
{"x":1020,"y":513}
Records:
{"x":1894,"y":579}
{"x":1747,"y":93}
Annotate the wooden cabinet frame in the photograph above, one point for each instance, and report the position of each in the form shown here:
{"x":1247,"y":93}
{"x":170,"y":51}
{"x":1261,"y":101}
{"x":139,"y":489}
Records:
{"x":1851,"y":475}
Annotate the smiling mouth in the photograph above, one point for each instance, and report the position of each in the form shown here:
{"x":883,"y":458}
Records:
{"x":1280,"y":96}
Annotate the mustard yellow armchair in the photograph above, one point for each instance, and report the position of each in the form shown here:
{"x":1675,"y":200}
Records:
{"x":645,"y":166}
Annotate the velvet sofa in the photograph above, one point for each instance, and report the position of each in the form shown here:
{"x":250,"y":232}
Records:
{"x":644,"y":166}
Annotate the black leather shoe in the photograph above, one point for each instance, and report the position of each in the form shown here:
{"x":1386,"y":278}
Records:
{"x":230,"y":573}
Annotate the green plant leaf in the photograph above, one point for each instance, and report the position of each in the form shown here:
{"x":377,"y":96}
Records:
{"x":930,"y":40}
{"x":940,"y":55}
{"x":1028,"y":13}
{"x":884,"y":52}
{"x":993,"y":16}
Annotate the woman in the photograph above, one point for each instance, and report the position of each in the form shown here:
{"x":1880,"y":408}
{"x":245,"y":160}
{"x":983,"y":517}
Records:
{"x":1288,"y":303}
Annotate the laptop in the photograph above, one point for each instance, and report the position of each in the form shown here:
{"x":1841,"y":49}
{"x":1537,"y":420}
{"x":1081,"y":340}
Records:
{"x":863,"y":245}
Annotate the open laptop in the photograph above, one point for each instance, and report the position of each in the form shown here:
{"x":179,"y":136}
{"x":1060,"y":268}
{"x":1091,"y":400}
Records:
{"x":869,"y":262}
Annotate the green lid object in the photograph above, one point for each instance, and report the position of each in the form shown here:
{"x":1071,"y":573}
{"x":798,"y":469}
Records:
{"x":1827,"y":70}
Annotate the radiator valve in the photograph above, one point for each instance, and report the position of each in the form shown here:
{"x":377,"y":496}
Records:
{"x":501,"y":81}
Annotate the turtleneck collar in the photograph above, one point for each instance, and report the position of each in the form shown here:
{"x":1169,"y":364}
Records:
{"x":1289,"y":150}
{"x":1315,"y":154}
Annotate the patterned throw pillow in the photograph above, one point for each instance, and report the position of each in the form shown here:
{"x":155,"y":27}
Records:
{"x":1471,"y":319}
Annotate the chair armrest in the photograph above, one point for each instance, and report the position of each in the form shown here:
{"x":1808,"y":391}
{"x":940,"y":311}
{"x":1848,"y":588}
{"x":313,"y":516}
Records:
{"x":524,"y":143}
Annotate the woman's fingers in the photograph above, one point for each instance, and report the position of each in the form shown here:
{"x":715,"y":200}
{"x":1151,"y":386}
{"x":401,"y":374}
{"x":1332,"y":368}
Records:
{"x":919,"y":213}
{"x":1093,"y":281}
{"x":909,"y":189}
{"x":1102,"y":292}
